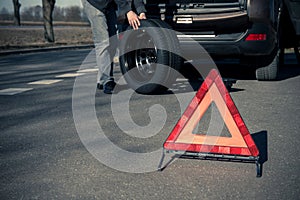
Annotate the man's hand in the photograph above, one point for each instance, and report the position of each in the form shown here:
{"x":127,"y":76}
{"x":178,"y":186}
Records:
{"x":133,"y":20}
{"x":142,"y":16}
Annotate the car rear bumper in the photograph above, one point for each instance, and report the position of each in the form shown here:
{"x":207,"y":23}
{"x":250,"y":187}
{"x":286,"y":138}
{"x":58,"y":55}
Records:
{"x":232,"y":44}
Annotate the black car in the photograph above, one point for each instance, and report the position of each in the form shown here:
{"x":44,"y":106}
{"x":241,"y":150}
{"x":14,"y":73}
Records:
{"x":254,"y":31}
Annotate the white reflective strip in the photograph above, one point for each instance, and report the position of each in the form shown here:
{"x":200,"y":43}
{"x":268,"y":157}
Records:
{"x":13,"y":91}
{"x":70,"y":75}
{"x":45,"y":82}
{"x":87,"y":70}
{"x":5,"y":73}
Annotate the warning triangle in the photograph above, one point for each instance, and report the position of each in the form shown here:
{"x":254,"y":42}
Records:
{"x":212,"y":123}
{"x":183,"y":137}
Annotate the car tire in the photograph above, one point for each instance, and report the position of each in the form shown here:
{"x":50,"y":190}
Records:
{"x":176,"y":60}
{"x":270,"y":69}
{"x":144,"y":60}
{"x":269,"y":72}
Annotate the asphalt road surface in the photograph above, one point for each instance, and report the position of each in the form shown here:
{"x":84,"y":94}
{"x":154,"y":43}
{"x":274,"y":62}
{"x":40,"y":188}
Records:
{"x":46,"y":151}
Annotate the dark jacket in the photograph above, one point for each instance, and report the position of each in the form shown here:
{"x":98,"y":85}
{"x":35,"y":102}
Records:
{"x":123,"y":5}
{"x":138,"y":6}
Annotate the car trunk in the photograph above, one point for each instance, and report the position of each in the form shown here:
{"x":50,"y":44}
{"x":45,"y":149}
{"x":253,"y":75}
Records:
{"x":222,"y":16}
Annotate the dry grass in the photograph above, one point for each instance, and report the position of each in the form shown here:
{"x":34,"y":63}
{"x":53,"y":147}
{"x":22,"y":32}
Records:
{"x":33,"y":36}
{"x":40,"y":23}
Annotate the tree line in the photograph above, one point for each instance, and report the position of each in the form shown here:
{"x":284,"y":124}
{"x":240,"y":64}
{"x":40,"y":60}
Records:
{"x":47,"y":13}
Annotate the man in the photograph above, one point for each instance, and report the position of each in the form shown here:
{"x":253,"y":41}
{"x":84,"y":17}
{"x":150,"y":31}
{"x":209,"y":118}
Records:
{"x":103,"y":19}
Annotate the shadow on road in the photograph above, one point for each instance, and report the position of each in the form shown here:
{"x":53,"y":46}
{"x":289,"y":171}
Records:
{"x":288,"y":71}
{"x":230,"y":68}
{"x":261,"y":141}
{"x":231,"y":72}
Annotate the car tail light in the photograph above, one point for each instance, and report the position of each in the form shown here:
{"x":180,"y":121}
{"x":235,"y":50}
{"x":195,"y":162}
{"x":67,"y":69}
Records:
{"x":256,"y":37}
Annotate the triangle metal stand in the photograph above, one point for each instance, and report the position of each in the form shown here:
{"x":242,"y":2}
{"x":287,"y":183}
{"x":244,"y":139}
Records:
{"x":212,"y":157}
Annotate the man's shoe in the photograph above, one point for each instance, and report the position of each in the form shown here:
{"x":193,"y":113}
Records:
{"x":108,"y":87}
{"x":100,"y":86}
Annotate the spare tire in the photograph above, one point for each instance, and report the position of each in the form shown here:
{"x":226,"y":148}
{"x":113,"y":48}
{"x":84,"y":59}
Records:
{"x":145,"y":61}
{"x":176,"y":60}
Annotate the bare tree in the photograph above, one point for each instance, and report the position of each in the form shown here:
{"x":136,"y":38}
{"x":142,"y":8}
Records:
{"x":17,"y":6}
{"x":33,"y":13}
{"x":48,"y":7}
{"x":59,"y":14}
{"x":37,"y":10}
{"x":27,"y":14}
{"x":73,"y":14}
{"x":5,"y":15}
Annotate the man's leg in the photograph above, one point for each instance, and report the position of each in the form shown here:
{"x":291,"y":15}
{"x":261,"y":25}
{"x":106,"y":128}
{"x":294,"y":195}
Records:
{"x":101,"y":40}
{"x":111,"y":17}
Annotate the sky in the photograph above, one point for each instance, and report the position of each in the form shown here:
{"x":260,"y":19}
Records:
{"x":28,"y":3}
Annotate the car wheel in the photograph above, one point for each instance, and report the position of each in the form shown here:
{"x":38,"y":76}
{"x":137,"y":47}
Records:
{"x":144,"y":59}
{"x":270,"y":71}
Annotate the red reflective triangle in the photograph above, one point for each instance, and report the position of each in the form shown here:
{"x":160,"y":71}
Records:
{"x":183,"y":139}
